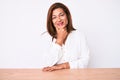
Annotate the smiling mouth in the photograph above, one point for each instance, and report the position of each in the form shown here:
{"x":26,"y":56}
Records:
{"x":60,"y":24}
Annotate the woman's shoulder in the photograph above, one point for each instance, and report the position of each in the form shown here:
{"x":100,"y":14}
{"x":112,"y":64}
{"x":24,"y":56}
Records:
{"x":77,"y":33}
{"x":45,"y":35}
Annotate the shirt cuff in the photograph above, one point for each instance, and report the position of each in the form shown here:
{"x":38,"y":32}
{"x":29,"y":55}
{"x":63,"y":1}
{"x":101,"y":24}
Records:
{"x":73,"y":65}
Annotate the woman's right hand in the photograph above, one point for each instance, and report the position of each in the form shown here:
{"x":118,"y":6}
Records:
{"x":57,"y":67}
{"x":61,"y":36}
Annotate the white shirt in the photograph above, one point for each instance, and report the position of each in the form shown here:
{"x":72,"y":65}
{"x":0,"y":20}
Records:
{"x":75,"y":50}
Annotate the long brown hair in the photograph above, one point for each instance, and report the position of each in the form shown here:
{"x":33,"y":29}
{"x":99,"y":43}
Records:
{"x":50,"y":27}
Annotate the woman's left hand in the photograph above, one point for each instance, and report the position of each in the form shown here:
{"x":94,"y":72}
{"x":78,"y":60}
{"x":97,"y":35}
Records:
{"x":56,"y":67}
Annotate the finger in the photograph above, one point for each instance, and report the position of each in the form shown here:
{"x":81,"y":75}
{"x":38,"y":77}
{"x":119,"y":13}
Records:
{"x":49,"y":69}
{"x":57,"y":29}
{"x":63,"y":29}
{"x":53,"y":68}
{"x":45,"y":68}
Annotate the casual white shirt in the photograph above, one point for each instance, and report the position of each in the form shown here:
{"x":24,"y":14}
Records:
{"x":75,"y":50}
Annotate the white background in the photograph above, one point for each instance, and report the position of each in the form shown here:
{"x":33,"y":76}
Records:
{"x":22,"y":22}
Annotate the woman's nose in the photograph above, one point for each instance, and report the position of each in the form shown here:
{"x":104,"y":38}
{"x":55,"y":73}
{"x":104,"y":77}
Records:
{"x":58,"y":19}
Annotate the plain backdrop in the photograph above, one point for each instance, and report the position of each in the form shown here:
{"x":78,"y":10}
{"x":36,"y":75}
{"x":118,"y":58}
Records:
{"x":22,"y":22}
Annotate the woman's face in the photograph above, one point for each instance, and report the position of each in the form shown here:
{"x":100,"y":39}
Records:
{"x":59,"y":18}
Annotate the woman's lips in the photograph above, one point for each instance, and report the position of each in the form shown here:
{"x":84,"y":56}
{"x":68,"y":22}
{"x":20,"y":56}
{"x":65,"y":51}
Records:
{"x":60,"y":24}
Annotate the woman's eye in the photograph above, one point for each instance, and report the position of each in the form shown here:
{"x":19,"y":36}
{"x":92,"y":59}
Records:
{"x":53,"y":17}
{"x":61,"y":14}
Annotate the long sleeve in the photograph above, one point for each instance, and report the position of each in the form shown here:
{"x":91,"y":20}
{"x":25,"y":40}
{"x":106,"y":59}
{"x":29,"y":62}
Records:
{"x":83,"y":54}
{"x":52,"y":52}
{"x":75,"y":51}
{"x":55,"y":53}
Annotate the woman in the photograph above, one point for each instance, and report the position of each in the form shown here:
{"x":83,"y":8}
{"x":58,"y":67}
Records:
{"x":67,"y":47}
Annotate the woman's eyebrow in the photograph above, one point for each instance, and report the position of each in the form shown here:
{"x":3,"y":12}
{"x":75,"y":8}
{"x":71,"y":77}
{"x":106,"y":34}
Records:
{"x":61,"y":13}
{"x":58,"y":14}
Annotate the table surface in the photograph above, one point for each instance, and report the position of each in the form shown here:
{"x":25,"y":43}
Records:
{"x":66,"y":74}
